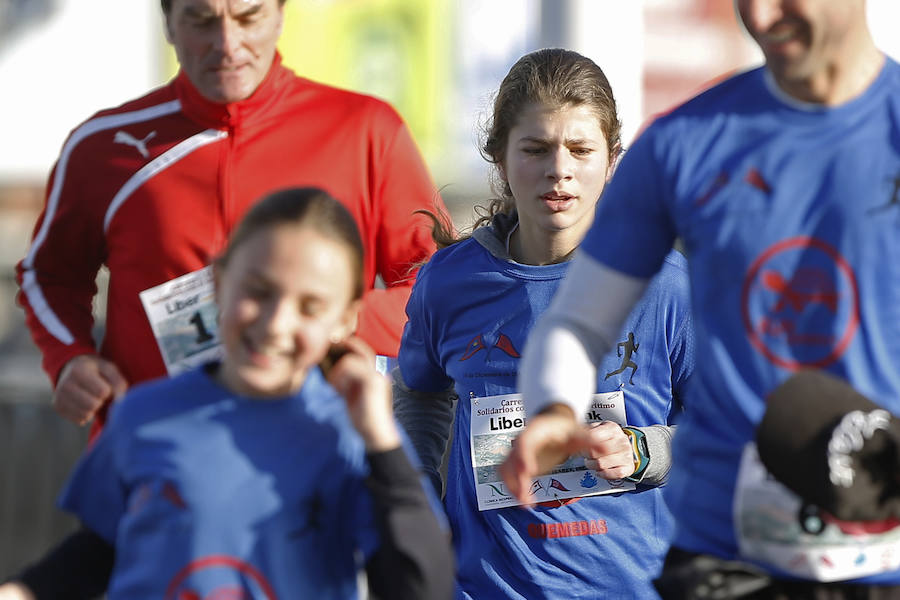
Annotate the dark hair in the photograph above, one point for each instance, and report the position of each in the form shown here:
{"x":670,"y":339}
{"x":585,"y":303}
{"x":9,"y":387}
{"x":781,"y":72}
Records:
{"x":555,"y":78}
{"x":310,"y":207}
{"x":167,"y":5}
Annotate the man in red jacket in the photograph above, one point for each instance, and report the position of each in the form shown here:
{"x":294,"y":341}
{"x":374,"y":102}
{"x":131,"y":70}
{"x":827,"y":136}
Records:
{"x":152,"y":189}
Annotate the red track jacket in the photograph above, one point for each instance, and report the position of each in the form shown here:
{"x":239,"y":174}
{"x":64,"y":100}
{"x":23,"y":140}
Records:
{"x":153,"y":188}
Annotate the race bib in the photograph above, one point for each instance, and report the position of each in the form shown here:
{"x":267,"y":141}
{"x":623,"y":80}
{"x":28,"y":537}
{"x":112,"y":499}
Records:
{"x":768,"y":527}
{"x":496,"y":420}
{"x":184,"y":318}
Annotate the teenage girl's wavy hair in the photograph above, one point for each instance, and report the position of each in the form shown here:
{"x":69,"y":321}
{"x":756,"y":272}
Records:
{"x":552,"y":77}
{"x":308,"y":207}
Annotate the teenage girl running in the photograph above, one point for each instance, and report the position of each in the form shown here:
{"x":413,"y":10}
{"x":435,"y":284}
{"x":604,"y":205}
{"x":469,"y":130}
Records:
{"x":554,"y":137}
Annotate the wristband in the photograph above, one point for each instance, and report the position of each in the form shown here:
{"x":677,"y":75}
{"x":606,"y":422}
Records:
{"x":639,"y":452}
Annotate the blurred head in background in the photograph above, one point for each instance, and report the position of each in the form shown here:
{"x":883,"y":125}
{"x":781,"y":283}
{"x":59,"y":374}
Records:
{"x":814,"y":48}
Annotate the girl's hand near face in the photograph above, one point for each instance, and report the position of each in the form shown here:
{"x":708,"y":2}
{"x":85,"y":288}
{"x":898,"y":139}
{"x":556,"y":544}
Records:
{"x":367,"y":393}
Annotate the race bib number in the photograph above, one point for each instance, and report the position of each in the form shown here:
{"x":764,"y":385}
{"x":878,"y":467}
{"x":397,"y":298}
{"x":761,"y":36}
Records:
{"x":184,"y":318}
{"x":769,"y":530}
{"x":497,"y":420}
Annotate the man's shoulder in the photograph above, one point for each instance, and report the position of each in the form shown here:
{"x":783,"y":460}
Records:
{"x":160,"y":96}
{"x":157,"y":103}
{"x":680,"y":140}
{"x":726,"y":94}
{"x":342,"y":101}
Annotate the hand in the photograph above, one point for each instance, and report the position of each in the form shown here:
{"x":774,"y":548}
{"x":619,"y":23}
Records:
{"x":548,"y":439}
{"x":85,"y":384}
{"x":610,"y":451}
{"x":368,"y":395}
{"x":14,"y":590}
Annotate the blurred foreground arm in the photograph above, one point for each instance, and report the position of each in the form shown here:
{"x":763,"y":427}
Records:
{"x":77,"y":569}
{"x":414,"y":559}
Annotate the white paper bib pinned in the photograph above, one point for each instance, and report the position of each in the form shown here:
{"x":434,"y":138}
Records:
{"x":184,"y":317}
{"x":496,"y":420}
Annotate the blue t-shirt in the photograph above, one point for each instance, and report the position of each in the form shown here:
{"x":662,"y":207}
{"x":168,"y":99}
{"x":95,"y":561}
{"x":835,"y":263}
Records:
{"x":790,"y":215}
{"x":469,"y":316}
{"x":204,"y":492}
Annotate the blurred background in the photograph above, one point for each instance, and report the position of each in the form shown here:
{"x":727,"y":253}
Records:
{"x":437,"y":61}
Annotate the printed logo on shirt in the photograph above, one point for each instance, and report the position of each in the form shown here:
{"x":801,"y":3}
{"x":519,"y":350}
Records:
{"x":752,"y":177}
{"x":626,"y":350}
{"x":755,"y":178}
{"x":167,"y":490}
{"x":546,"y":531}
{"x":216,"y":577}
{"x":123,"y":137}
{"x":170,"y":492}
{"x":800,"y":303}
{"x":718,"y":183}
{"x":477,"y":343}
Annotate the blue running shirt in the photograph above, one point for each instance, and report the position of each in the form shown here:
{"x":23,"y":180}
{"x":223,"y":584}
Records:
{"x":790,"y":215}
{"x":206,"y":493}
{"x":469,"y":315}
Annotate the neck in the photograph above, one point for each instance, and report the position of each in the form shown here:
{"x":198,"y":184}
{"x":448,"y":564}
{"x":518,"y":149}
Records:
{"x":227,"y":379}
{"x":531,"y":247}
{"x":841,"y":80}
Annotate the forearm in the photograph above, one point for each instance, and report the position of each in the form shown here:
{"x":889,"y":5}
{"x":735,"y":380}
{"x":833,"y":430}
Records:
{"x":78,"y":568}
{"x":414,"y":559}
{"x":426,"y":417}
{"x":58,"y":317}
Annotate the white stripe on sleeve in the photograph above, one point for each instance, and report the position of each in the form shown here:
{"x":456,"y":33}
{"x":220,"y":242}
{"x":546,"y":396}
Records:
{"x":30,"y":285}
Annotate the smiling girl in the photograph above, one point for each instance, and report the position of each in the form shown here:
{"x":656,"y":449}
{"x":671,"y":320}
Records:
{"x":252,"y":477}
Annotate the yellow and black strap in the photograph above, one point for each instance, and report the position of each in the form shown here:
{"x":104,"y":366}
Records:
{"x":639,"y":451}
